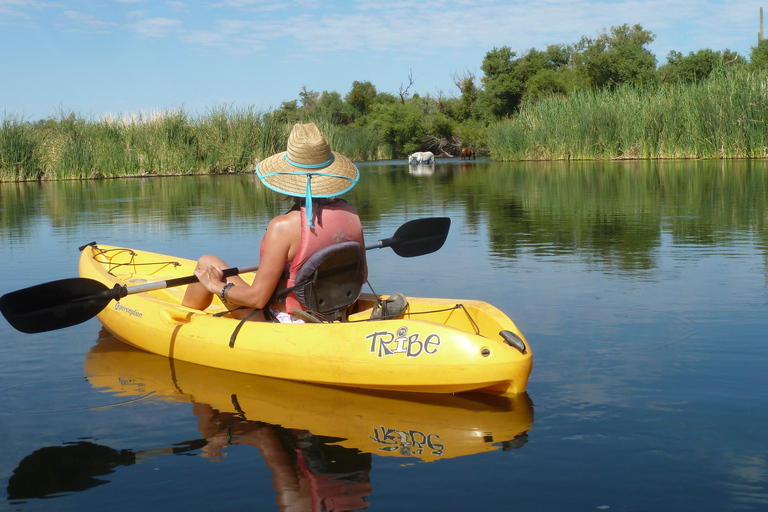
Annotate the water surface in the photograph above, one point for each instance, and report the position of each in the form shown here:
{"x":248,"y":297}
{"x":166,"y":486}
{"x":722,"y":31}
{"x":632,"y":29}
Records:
{"x":642,"y":288}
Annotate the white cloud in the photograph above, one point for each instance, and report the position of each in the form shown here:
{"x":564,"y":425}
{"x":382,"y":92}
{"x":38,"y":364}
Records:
{"x":233,"y":36}
{"x":156,"y":27}
{"x":251,"y":5}
{"x":10,"y":11}
{"x":20,"y":9}
{"x":87,"y":21}
{"x":177,"y":6}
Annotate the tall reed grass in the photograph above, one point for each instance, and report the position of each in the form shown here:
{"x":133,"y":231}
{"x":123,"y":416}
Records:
{"x":163,"y":143}
{"x":21,"y":154}
{"x":723,"y":117}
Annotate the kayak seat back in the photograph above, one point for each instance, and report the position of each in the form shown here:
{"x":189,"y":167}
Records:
{"x":331,"y":280}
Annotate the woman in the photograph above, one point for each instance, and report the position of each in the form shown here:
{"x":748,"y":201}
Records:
{"x":311,"y":173}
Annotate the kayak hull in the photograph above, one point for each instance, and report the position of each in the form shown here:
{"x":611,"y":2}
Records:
{"x":437,"y":346}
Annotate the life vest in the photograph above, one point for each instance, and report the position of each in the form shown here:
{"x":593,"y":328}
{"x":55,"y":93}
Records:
{"x":335,"y":222}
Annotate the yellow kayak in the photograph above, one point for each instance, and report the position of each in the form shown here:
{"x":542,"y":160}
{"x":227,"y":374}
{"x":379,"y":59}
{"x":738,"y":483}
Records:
{"x":427,"y":427}
{"x":435,"y":346}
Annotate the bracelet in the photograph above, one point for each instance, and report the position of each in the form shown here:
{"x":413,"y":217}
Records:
{"x":224,"y":291}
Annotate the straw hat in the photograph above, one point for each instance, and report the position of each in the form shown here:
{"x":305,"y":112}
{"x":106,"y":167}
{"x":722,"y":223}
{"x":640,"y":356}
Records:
{"x":309,"y":168}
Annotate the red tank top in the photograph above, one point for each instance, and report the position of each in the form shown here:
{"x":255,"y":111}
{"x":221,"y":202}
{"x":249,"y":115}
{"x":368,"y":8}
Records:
{"x":335,"y":222}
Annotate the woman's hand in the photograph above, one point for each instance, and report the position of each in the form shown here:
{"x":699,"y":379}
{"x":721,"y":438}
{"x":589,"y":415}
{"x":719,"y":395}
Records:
{"x":212,"y":278}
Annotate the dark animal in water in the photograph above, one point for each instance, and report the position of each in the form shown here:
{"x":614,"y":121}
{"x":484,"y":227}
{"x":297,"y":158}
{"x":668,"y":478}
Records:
{"x":467,"y":153}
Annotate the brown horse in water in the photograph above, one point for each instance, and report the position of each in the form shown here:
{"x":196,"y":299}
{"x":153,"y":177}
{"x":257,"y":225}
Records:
{"x":467,"y":153}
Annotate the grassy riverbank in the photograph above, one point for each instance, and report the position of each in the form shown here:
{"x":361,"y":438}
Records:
{"x":725,"y":116}
{"x":167,"y":143}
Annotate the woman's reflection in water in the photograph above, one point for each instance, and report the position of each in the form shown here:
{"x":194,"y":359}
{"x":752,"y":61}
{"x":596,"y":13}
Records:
{"x":308,"y":473}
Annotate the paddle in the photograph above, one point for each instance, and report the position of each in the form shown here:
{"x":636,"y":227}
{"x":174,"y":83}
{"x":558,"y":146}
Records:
{"x":416,"y":237}
{"x":74,"y":467}
{"x":67,"y":302}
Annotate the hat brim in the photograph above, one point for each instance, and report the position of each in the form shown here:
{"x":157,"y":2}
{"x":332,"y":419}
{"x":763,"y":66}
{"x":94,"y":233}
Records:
{"x":280,"y":175}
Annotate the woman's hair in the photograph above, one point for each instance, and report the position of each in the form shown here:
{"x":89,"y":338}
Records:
{"x":317,"y":202}
{"x":301,"y":201}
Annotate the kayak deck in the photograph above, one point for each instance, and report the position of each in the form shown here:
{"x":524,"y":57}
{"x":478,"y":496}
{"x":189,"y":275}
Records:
{"x":436,"y":346}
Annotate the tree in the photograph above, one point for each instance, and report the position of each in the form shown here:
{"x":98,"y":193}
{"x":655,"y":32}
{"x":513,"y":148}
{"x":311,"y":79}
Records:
{"x":288,"y":112}
{"x":545,"y":83}
{"x":361,"y":98}
{"x":618,"y":56}
{"x":400,"y":125}
{"x":758,"y":56}
{"x":509,"y":81}
{"x":331,"y":107}
{"x":557,"y":56}
{"x":692,"y":68}
{"x":465,"y":82}
{"x":546,"y":73}
{"x":308,"y":101}
{"x":438,"y":126}
{"x":502,"y":88}
{"x":403,"y":93}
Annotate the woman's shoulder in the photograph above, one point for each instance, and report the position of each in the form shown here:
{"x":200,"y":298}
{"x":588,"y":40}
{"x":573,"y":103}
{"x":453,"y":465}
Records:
{"x":288,"y":220}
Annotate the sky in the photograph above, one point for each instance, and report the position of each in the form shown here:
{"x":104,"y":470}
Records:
{"x":124,"y":57}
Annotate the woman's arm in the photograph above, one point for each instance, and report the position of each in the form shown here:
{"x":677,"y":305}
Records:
{"x":281,"y":242}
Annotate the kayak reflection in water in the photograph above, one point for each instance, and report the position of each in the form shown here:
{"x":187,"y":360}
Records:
{"x":308,"y":473}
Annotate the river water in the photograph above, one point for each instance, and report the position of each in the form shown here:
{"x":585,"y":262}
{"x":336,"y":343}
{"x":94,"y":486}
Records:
{"x":642,"y":288}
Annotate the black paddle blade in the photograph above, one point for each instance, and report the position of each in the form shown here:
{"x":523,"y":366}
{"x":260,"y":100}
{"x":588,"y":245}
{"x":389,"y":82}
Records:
{"x":71,"y":468}
{"x":55,"y":305}
{"x":420,"y":236}
{"x":74,"y":467}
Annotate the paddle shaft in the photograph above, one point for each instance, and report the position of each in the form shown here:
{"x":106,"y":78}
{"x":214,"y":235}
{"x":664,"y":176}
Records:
{"x":181,"y":281}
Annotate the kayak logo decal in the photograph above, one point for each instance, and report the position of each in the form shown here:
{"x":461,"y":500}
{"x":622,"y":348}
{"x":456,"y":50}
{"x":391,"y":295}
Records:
{"x":122,"y":309}
{"x":136,"y":385}
{"x":407,"y":443}
{"x":387,"y":343}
